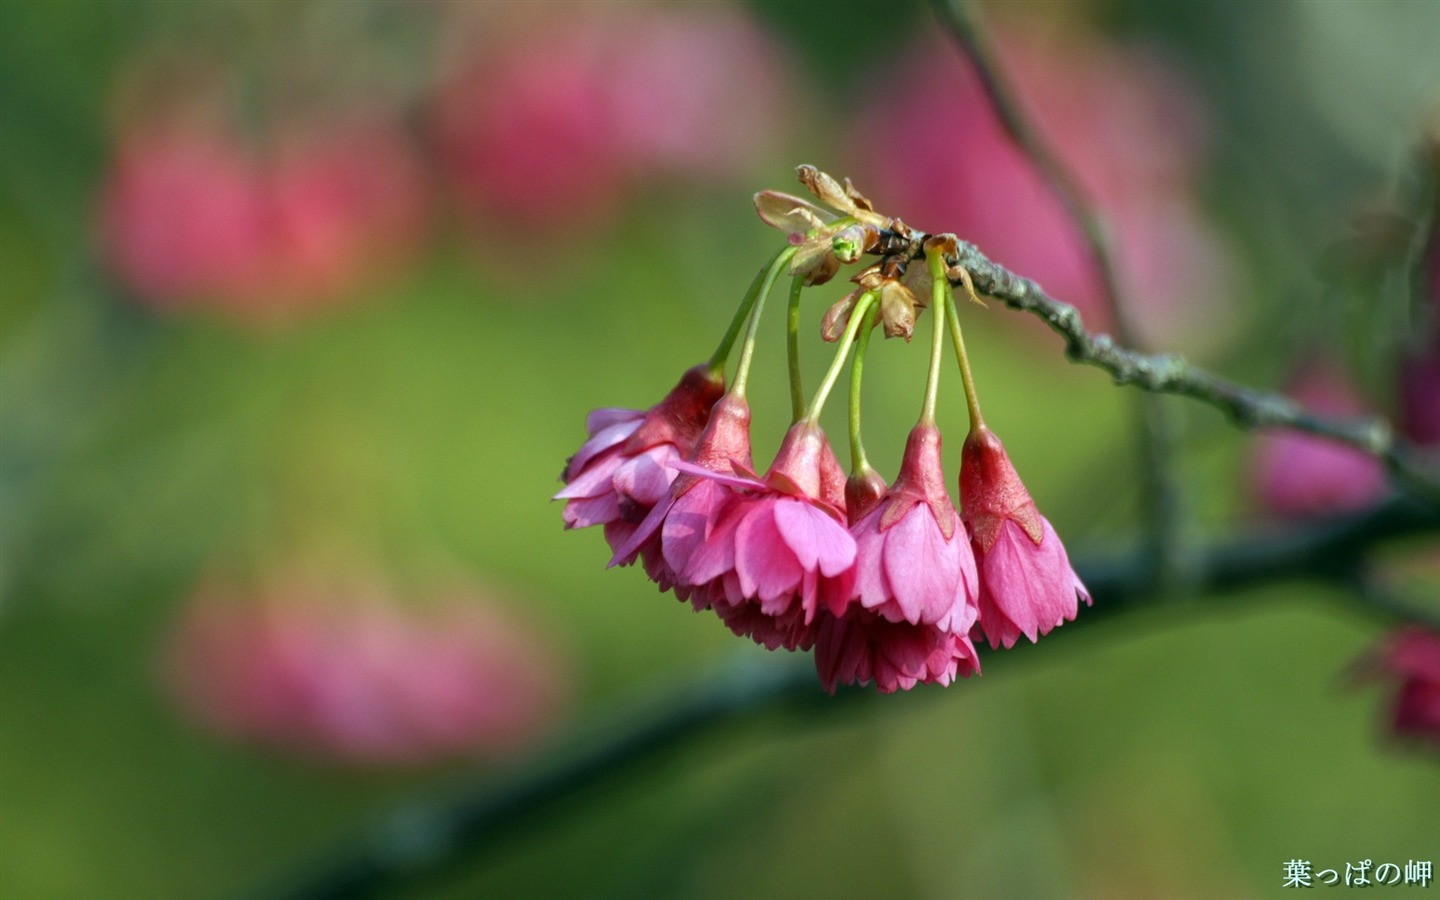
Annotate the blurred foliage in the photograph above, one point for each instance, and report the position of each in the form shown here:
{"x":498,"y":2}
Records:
{"x":1178,"y":754}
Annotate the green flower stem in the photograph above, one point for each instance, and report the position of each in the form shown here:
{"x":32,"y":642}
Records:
{"x":857,"y":315}
{"x":858,"y":461}
{"x":792,"y":349}
{"x":747,"y":350}
{"x":938,"y":296}
{"x":943,"y":296}
{"x":722,"y":352}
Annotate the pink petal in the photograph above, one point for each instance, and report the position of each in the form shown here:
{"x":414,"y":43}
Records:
{"x":587,"y":511}
{"x":690,"y":521}
{"x":602,"y":441}
{"x":922,"y":567}
{"x":1031,"y":588}
{"x":733,"y":481}
{"x":600,"y":419}
{"x":767,"y":567}
{"x":716,"y":555}
{"x":645,"y":478}
{"x":591,"y":481}
{"x":815,"y":538}
{"x":870,"y":583}
{"x":647,"y":528}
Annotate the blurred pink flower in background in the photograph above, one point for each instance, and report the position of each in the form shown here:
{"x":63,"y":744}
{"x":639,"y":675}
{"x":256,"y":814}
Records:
{"x":1411,"y":658}
{"x":1121,"y":119}
{"x":356,"y":677}
{"x":549,"y":118}
{"x":1300,"y":475}
{"x":349,"y":201}
{"x":183,"y":215}
{"x":191,"y":218}
{"x":1420,"y":396}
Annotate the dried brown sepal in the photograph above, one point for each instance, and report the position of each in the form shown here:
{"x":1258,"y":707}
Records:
{"x":837,"y":317}
{"x":869,"y":278}
{"x":823,"y":272}
{"x":860,"y":199}
{"x":789,"y":213}
{"x":945,"y":244}
{"x":967,"y":286}
{"x":892,"y":268}
{"x":897,"y":310}
{"x":815,"y":260}
{"x":918,"y":280}
{"x":843,"y":198}
{"x":826,"y":189}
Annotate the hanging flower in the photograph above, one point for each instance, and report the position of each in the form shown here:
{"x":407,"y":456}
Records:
{"x":1027,"y":586}
{"x":913,"y":561}
{"x":624,"y":469}
{"x":772,"y":543}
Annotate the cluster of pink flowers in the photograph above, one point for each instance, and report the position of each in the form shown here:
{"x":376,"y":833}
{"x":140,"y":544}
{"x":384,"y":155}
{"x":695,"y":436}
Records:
{"x":888,"y":584}
{"x":335,"y":672}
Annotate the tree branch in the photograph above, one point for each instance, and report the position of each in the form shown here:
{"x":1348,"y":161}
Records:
{"x":431,"y":836}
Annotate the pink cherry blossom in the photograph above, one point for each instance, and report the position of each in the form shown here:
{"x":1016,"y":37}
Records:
{"x":624,"y":469}
{"x":1026,"y":583}
{"x":913,"y":561}
{"x":771,"y":544}
{"x":861,"y":647}
{"x":1303,"y":475}
{"x":723,"y":448}
{"x":350,"y":675}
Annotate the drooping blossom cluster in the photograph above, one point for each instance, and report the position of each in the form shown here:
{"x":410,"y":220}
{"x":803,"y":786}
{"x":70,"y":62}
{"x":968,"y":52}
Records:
{"x":338,"y":672}
{"x":889,"y":584}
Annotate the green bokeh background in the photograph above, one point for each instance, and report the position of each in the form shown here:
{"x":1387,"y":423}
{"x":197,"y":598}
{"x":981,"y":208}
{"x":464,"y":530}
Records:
{"x":1184,"y":751}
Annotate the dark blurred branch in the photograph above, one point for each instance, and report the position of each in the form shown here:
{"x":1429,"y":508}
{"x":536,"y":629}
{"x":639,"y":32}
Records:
{"x":433,"y":835}
{"x":1156,"y":426}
